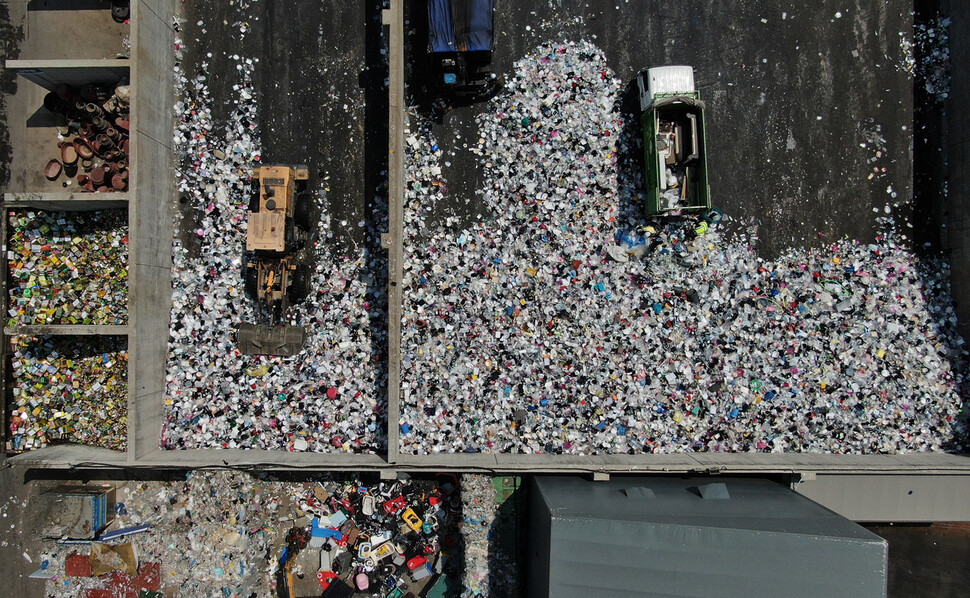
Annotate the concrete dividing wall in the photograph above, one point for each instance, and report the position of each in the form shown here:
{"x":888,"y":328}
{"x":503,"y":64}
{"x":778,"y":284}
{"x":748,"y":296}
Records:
{"x":393,"y":18}
{"x":150,"y":220}
{"x":899,"y":498}
{"x":957,"y":211}
{"x":68,"y":330}
{"x":70,"y":202}
{"x":49,"y":73}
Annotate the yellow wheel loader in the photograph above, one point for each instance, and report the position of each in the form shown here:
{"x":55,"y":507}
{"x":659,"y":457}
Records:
{"x":276,"y":229}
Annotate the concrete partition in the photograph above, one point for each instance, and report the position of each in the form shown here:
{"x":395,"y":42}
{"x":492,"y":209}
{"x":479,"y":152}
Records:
{"x":66,"y":202}
{"x":393,"y":18}
{"x":50,"y":73}
{"x":67,"y":330}
{"x":150,"y":221}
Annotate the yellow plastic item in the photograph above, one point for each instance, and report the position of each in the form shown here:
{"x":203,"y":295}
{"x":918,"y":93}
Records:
{"x":258,"y":372}
{"x":412,"y":520}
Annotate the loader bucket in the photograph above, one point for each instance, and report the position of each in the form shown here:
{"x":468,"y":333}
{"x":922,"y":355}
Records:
{"x":255,"y":339}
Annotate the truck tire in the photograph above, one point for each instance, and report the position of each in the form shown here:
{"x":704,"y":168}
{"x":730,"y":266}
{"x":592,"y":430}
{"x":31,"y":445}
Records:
{"x":300,"y":285}
{"x":254,"y":196}
{"x":250,"y":278}
{"x":302,"y":211}
{"x":294,"y":238}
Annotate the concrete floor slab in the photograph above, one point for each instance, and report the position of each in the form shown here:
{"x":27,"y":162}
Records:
{"x":37,"y":131}
{"x":72,"y":29}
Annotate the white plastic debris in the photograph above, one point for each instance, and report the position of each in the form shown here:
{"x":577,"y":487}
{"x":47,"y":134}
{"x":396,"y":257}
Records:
{"x":330,"y":397}
{"x":525,"y":331}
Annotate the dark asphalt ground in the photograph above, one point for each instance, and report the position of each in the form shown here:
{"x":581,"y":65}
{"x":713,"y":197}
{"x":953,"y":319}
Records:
{"x":320,"y":91}
{"x":924,"y":559}
{"x":793,"y":92}
{"x":800,"y":100}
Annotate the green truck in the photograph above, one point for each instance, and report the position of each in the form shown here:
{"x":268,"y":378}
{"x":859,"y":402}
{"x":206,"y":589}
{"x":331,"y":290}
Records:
{"x":675,"y":159}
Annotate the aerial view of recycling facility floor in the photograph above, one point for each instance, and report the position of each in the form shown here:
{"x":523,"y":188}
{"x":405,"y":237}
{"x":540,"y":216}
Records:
{"x":543,"y":312}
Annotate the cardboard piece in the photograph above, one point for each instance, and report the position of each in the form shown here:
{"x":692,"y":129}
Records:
{"x":106,"y":558}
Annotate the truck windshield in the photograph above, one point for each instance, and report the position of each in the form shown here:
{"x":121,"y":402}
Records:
{"x":460,"y":25}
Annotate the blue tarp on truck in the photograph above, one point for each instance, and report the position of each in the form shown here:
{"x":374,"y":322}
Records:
{"x":460,"y":25}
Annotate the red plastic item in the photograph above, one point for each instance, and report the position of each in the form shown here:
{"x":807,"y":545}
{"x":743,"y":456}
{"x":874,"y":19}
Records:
{"x":395,"y":504}
{"x":325,"y":577}
{"x":52,"y":170}
{"x":416,"y":562}
{"x":77,"y":565}
{"x":149,"y":578}
{"x":347,"y":505}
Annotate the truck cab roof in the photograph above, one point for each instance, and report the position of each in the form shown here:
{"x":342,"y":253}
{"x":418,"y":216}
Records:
{"x":664,"y":81}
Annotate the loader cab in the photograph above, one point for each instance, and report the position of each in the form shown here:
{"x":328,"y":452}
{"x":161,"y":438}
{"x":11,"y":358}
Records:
{"x":271,"y":226}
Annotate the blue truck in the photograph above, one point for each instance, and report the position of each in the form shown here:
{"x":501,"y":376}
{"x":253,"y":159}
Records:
{"x":460,"y":38}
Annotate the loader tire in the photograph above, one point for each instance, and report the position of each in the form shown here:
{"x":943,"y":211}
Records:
{"x":294,"y":237}
{"x":302,"y":211}
{"x":300,"y":285}
{"x":251,"y":281}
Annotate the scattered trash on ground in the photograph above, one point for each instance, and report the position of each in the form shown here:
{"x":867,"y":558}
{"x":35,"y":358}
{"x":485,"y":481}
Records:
{"x":491,"y":528}
{"x":564,"y":322}
{"x":927,"y":56}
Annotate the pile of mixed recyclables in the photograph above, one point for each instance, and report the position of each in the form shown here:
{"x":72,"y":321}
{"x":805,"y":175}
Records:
{"x":207,"y":535}
{"x":226,"y":533}
{"x":564,"y":322}
{"x":67,"y":268}
{"x":388,"y":539}
{"x":94,"y":145}
{"x":331,"y":396}
{"x":69,"y":389}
